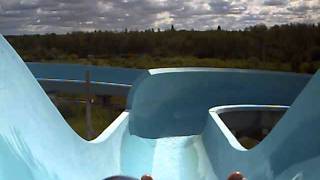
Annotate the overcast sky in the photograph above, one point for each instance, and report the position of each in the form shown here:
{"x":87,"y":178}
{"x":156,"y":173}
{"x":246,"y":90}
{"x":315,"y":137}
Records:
{"x":61,"y":16}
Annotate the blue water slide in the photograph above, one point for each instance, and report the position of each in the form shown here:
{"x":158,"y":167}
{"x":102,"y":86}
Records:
{"x":70,"y":78}
{"x":170,"y":128}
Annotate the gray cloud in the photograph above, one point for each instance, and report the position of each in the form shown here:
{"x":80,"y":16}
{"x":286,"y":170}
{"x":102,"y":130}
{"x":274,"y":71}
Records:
{"x":228,"y":7}
{"x":60,"y":16}
{"x":303,"y":8}
{"x":275,"y":2}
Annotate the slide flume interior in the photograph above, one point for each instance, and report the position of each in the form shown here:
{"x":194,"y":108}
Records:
{"x":167,"y":130}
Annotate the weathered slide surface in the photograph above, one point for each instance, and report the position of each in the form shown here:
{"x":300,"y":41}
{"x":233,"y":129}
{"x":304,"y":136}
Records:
{"x":167,"y":131}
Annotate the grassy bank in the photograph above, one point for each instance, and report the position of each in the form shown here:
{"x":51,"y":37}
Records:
{"x":147,"y":62}
{"x":73,"y":109}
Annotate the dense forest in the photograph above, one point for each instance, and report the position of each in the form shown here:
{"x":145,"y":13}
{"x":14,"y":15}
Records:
{"x":294,"y":44}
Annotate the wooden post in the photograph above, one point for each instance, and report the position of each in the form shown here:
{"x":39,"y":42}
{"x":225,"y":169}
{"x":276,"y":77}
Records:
{"x":89,"y":127}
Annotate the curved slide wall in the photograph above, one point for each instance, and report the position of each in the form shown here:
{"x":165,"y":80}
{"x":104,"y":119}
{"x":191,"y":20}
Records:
{"x":175,"y":101}
{"x":36,"y":143}
{"x":290,"y":151}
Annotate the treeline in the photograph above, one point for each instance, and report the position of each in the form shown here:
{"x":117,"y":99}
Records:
{"x":293,"y":43}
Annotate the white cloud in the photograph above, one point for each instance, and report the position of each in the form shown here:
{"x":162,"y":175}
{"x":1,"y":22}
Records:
{"x":60,"y":16}
{"x":104,"y":6}
{"x":163,"y":19}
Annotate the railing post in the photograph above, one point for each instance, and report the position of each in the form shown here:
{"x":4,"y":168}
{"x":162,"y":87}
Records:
{"x":89,"y":127}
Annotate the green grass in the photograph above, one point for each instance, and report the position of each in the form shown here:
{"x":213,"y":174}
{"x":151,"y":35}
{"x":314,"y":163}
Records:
{"x":147,"y":62}
{"x":75,"y":113}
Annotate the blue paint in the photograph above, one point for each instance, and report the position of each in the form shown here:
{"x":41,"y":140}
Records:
{"x":290,"y":150}
{"x":168,"y":129}
{"x":70,"y":78}
{"x":175,"y":102}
